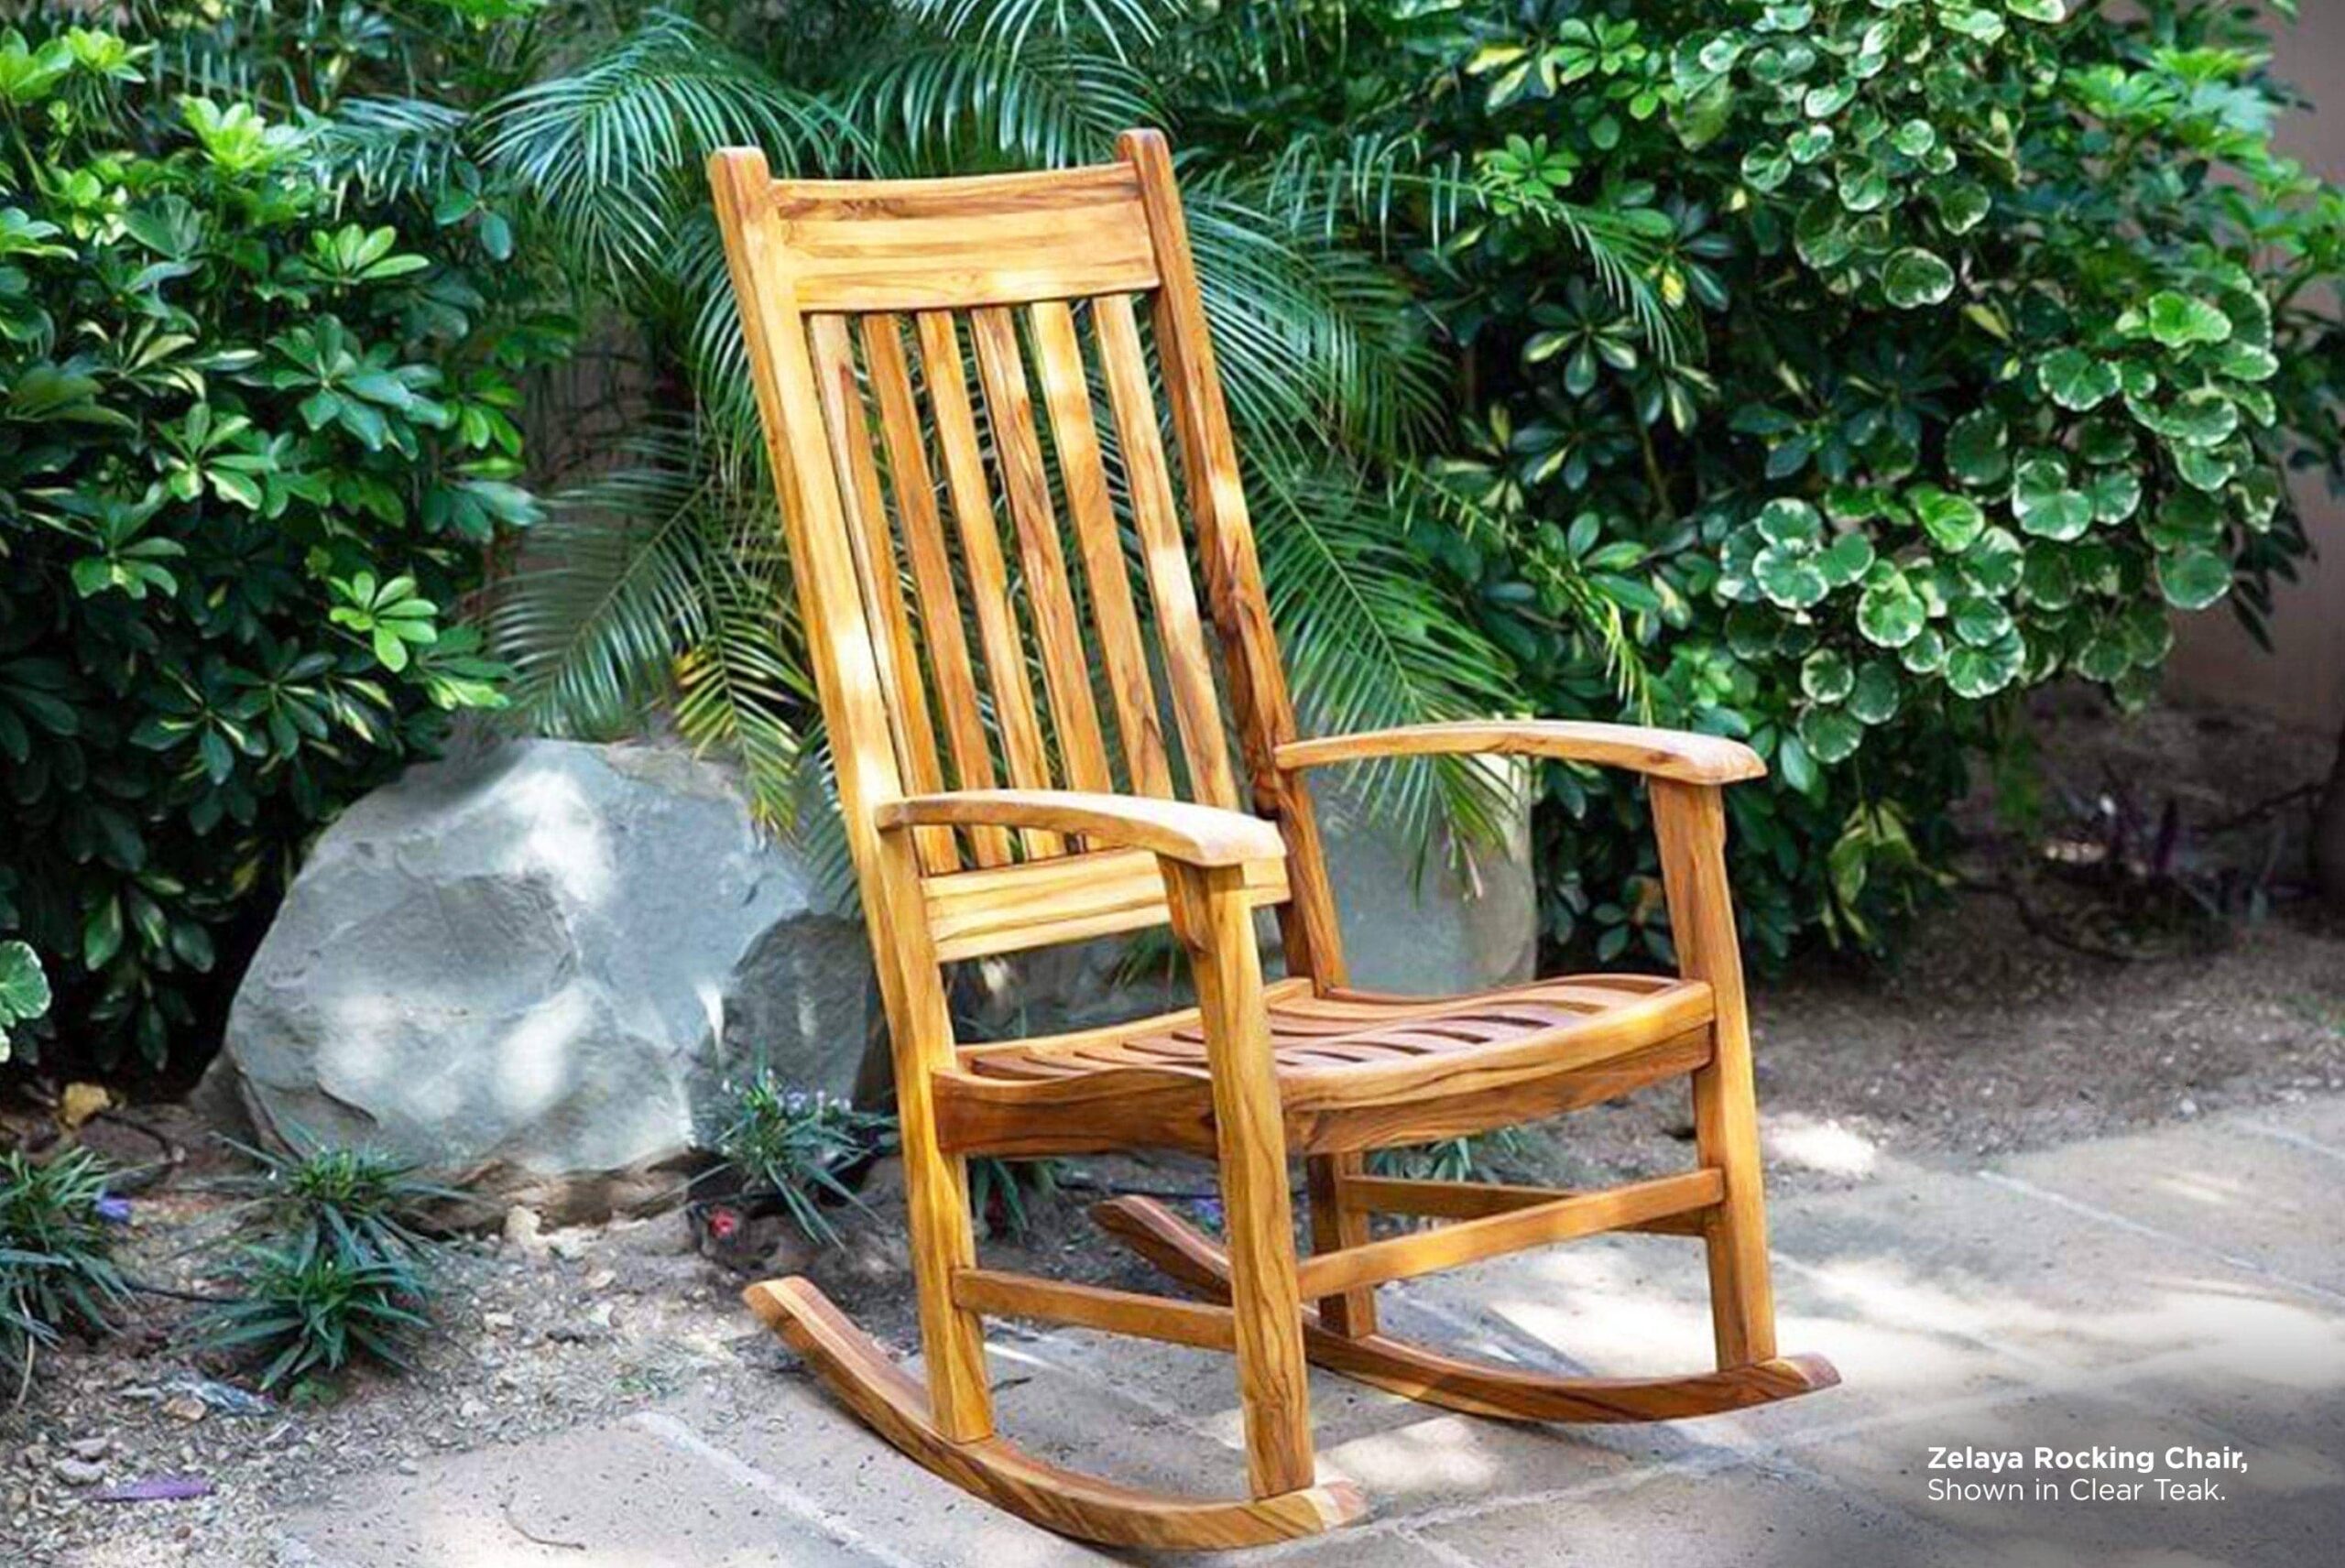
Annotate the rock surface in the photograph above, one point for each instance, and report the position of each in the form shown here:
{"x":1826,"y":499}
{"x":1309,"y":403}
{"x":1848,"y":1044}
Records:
{"x":533,"y":967}
{"x":1435,"y":924}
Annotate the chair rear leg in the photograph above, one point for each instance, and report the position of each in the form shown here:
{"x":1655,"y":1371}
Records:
{"x":1211,"y":917}
{"x":1334,"y":1227}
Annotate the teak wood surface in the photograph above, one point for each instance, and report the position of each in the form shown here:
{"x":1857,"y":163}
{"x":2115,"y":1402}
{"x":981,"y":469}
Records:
{"x":1037,"y":626}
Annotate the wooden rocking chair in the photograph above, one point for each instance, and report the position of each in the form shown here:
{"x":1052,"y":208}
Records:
{"x":1020,"y":269}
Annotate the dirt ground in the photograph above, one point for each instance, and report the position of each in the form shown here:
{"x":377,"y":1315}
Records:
{"x":2054,"y":996}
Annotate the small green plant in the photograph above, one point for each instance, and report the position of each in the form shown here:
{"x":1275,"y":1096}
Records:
{"x":312,"y":1308}
{"x":57,"y":1269}
{"x":790,"y":1144}
{"x":1451,"y":1160}
{"x":357,"y":1203}
{"x":999,"y":1189}
{"x":347,"y":1271}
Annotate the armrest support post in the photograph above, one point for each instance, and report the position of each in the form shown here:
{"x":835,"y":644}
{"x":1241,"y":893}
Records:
{"x":1212,"y":920}
{"x":1689,"y":820}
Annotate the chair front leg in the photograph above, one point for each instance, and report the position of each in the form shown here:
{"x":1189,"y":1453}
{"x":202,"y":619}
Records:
{"x":1213,"y":920}
{"x":1690,"y":821}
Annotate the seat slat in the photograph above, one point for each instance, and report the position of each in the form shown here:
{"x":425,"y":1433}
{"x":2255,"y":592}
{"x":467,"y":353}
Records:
{"x":1083,"y":476}
{"x":915,"y":487}
{"x":1017,"y":453}
{"x":1188,"y":670}
{"x":988,"y":579}
{"x":873,"y":546}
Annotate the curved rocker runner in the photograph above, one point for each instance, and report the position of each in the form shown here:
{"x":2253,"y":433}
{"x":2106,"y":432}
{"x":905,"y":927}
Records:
{"x":925,"y":356}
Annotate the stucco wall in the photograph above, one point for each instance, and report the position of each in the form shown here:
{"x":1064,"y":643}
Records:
{"x":2302,"y":682}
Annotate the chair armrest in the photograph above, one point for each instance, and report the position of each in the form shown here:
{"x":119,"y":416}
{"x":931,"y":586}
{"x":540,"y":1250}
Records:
{"x":1176,"y":830}
{"x":1678,"y":755}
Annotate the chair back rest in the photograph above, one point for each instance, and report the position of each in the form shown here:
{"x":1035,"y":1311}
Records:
{"x":933,"y":359}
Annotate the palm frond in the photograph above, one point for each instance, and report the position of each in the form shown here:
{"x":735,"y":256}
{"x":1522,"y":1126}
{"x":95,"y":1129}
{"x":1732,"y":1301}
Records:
{"x":1309,"y":335}
{"x":736,"y":690}
{"x":608,"y":590}
{"x":395,"y":147}
{"x":1121,"y":26}
{"x":1591,"y":611}
{"x":1360,"y":183}
{"x":953,"y":105}
{"x":613,"y":151}
{"x":1372,"y":640}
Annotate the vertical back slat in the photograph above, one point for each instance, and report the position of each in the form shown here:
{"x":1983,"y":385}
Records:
{"x":869,"y":539}
{"x":914,"y":486}
{"x":965,"y":480}
{"x":1083,"y":478}
{"x":1026,"y":485}
{"x":1187,"y":666}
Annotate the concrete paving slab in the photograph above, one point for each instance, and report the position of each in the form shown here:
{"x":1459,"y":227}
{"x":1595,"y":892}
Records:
{"x":2169,"y":1290}
{"x":801,"y":1441}
{"x":2317,"y":1123}
{"x":600,"y":1498}
{"x":2214,"y":1187}
{"x":1633,"y":1305}
{"x":1957,"y":1257}
{"x":1747,"y":1515}
{"x":1408,"y":1457}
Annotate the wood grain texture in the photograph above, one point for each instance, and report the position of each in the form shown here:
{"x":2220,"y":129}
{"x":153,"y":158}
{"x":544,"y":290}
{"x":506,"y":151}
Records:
{"x":1476,"y":1388}
{"x":913,"y":485}
{"x":1171,"y":1320}
{"x":1071,"y":897}
{"x":1258,"y":696}
{"x":841,"y":648}
{"x":1677,"y":755}
{"x":1337,"y":1223}
{"x":1197,"y":709}
{"x":1082,"y":480}
{"x":1690,"y":821}
{"x":1493,"y":1236}
{"x":1477,"y":1199}
{"x":869,"y":1383}
{"x":871,"y":545}
{"x":1027,"y":763}
{"x":1017,"y":453}
{"x":1143,"y":1107}
{"x":1191,"y":834}
{"x":1212,"y":919}
{"x":959,"y":243}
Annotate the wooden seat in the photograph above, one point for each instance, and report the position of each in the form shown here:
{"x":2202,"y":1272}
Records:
{"x":977,"y":396}
{"x":1347,"y":1064}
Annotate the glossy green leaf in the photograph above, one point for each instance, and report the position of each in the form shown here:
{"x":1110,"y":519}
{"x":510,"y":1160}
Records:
{"x":1914,"y":277}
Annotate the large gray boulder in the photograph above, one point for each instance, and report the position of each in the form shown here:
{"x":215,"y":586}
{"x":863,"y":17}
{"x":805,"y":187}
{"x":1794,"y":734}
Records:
{"x":533,"y":969}
{"x":1436,"y":921}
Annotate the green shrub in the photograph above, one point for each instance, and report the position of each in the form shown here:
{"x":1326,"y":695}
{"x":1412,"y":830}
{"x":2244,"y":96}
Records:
{"x":345,"y":1271}
{"x":253,"y":441}
{"x":364,"y":1206}
{"x":57,"y":1271}
{"x":310,"y":1309}
{"x":1948,"y":346}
